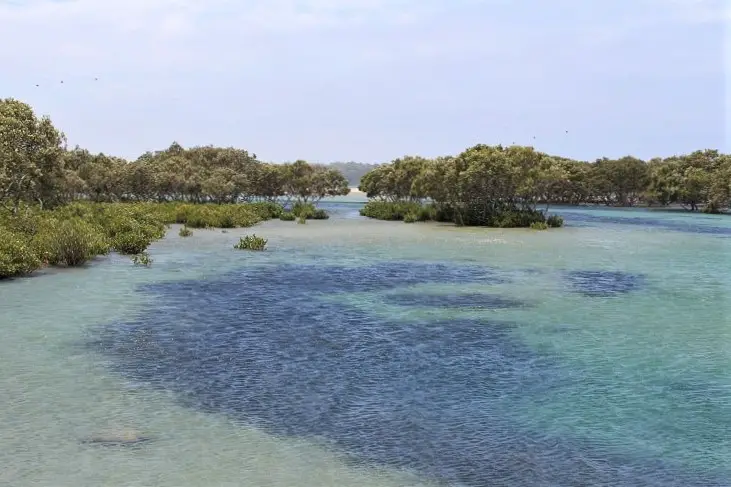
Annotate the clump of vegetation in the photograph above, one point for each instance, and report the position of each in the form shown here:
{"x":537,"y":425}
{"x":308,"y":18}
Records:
{"x":17,"y":257}
{"x":185,"y":231}
{"x":308,"y":211}
{"x":287,"y":216}
{"x":480,"y":184}
{"x":539,"y":226}
{"x":251,"y":242}
{"x":305,"y":210}
{"x":302,"y":219}
{"x":389,"y":210}
{"x":498,"y":217}
{"x":554,"y":221}
{"x":63,"y":207}
{"x":69,"y":242}
{"x":142,"y":259}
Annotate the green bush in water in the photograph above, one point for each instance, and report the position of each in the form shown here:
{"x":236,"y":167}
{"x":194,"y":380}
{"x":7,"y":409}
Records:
{"x":131,"y":243}
{"x":266,"y":210}
{"x":410,"y":217}
{"x":251,"y":242}
{"x":554,"y":221}
{"x":25,"y":223}
{"x":302,"y":219}
{"x":539,"y":226}
{"x":427,"y":213}
{"x":17,"y":257}
{"x":69,"y":242}
{"x":130,"y":236}
{"x":287,"y":216}
{"x":142,"y":259}
{"x":226,"y":216}
{"x":303,"y":209}
{"x":308,"y":211}
{"x":385,"y":210}
{"x":185,"y":231}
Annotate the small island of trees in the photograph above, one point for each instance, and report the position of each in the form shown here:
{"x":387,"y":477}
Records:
{"x":514,"y":186}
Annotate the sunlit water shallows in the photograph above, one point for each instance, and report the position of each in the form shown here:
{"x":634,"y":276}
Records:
{"x":364,"y":353}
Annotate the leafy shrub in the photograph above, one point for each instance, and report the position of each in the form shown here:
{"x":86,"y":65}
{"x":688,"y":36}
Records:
{"x":500,"y":215}
{"x":251,"y":242}
{"x":266,"y":210}
{"x":302,"y":219}
{"x":129,"y":236}
{"x":306,"y":210}
{"x":182,"y":213}
{"x":69,"y":242}
{"x":17,"y":257}
{"x":131,"y":242}
{"x":539,"y":226}
{"x":554,"y":221}
{"x":73,"y":234}
{"x":199,"y":217}
{"x":427,"y":213}
{"x":225,"y":216}
{"x":386,"y":210}
{"x":25,"y":223}
{"x":142,"y":259}
{"x":185,"y":231}
{"x":287,"y":216}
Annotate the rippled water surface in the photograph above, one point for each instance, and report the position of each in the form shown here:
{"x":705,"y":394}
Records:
{"x":362,"y":353}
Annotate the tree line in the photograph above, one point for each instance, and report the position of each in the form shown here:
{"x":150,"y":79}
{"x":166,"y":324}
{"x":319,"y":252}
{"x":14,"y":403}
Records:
{"x":37,"y":168}
{"x":485,"y":179}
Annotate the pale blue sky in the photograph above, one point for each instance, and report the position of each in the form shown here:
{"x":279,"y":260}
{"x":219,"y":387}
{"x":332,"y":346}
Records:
{"x":370,"y":80}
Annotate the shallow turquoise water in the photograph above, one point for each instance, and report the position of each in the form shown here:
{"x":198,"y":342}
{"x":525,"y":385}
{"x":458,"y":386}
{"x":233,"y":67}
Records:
{"x":637,"y":379}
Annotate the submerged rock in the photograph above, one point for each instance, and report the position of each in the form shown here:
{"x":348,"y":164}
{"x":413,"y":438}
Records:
{"x":122,"y":437}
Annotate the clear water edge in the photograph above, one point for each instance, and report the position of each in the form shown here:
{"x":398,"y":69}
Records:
{"x":54,"y":391}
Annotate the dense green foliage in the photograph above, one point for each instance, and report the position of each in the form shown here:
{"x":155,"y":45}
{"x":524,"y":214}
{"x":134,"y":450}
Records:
{"x":308,"y":211}
{"x":411,"y":212}
{"x":17,"y":256}
{"x":484,"y":182}
{"x":36,"y":168}
{"x":251,"y":242}
{"x":73,"y":234}
{"x":64,"y":207}
{"x":488,"y":186}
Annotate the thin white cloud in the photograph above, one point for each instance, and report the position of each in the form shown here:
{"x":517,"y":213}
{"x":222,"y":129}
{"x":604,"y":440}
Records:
{"x":162,"y":35}
{"x":157,"y":34}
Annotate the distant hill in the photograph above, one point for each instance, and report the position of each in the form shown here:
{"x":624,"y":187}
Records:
{"x":353,"y":171}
